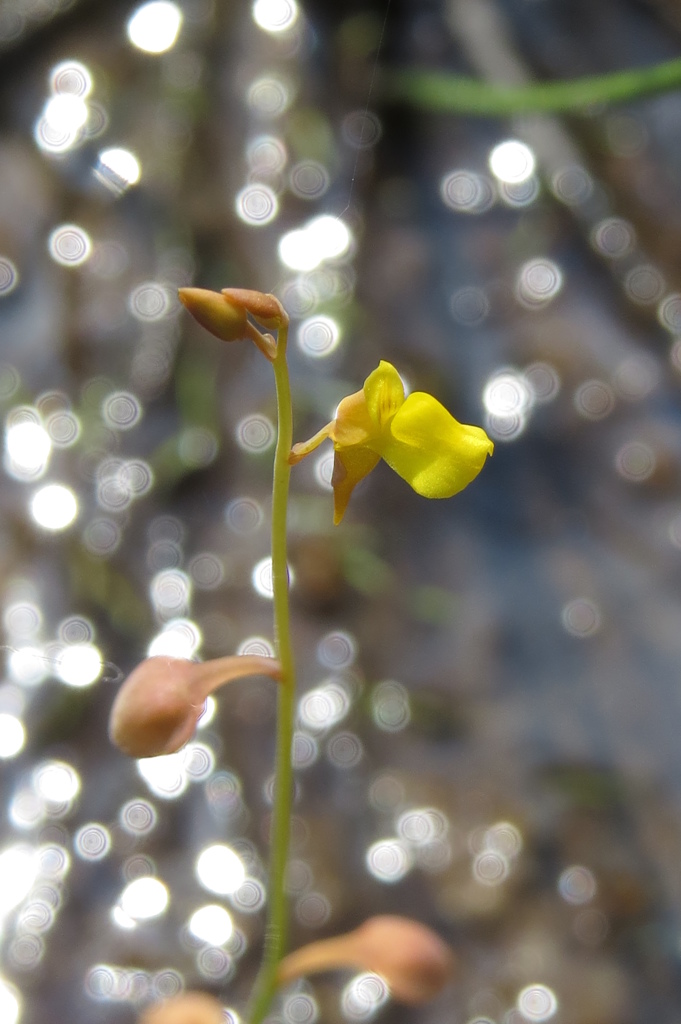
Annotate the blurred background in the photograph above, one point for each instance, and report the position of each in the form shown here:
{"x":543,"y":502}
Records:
{"x":489,"y":717}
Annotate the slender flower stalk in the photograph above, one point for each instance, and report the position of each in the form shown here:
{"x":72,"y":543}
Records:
{"x":275,"y":938}
{"x":226,"y":315}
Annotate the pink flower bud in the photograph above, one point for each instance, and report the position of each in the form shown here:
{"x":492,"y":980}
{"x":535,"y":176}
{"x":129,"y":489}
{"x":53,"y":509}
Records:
{"x":414,"y":962}
{"x":159,"y":704}
{"x":189,"y":1008}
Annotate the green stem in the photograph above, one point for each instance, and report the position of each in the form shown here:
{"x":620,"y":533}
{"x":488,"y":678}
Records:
{"x":437,"y":90}
{"x":275,"y":936}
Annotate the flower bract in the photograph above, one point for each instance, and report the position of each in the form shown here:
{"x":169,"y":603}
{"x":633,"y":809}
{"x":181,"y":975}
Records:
{"x":415,"y":435}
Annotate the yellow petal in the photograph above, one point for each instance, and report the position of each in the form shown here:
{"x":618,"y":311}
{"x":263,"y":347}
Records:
{"x":353,"y":424}
{"x":384,"y":393}
{"x":350,"y":465}
{"x":431,"y":450}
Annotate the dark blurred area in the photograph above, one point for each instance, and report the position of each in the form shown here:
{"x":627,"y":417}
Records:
{"x":487,"y":733}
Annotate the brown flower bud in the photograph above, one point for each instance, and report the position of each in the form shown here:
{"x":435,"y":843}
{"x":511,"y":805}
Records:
{"x":265,"y":309}
{"x":159,"y":704}
{"x":226,"y":318}
{"x":225,"y":314}
{"x":414,"y":962}
{"x":188,"y":1008}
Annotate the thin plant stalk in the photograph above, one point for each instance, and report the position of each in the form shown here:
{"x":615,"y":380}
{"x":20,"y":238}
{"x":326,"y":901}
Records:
{"x":276,"y":930}
{"x":437,"y":90}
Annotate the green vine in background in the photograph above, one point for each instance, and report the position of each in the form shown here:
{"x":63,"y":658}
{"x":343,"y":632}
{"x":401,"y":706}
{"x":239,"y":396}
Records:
{"x":437,"y":90}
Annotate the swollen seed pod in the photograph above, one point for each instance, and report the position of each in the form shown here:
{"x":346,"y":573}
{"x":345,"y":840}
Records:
{"x":188,"y":1008}
{"x":159,"y":704}
{"x":415,"y":963}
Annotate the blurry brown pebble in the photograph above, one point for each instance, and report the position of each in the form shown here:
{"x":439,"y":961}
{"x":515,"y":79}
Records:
{"x":189,"y":1008}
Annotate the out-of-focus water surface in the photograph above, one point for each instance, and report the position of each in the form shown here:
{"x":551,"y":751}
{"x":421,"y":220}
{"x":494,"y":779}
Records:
{"x":489,"y":717}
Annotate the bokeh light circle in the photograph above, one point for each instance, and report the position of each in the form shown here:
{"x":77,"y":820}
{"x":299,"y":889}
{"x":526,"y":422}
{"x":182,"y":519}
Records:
{"x":266,"y":155}
{"x":79,"y":665}
{"x":490,"y":867}
{"x":538,"y":282}
{"x":250,"y":896}
{"x":275,"y":15}
{"x":543,"y":380}
{"x":63,"y":428}
{"x":469,"y":306}
{"x":118,"y":169}
{"x":313,"y":909}
{"x":69,"y":245}
{"x":363,"y":996}
{"x":256,"y":205}
{"x":594,"y":399}
{"x":121,"y":410}
{"x":577,"y":884}
{"x":9,"y":276}
{"x":309,"y":179}
{"x":537,"y":1003}
{"x":102,"y":536}
{"x":613,"y":238}
{"x":10,"y":1003}
{"x":572,"y":185}
{"x":255,"y":433}
{"x":581,"y":617}
{"x":244,"y":515}
{"x":54,"y":507}
{"x":644,"y":284}
{"x":149,"y":301}
{"x":512,"y":161}
{"x":137,"y":817}
{"x":269,"y":96}
{"x":467,"y":192}
{"x":153,"y":27}
{"x":635,"y":461}
{"x":318,"y":336}
{"x":388,"y":860}
{"x":92,"y":842}
{"x":361,"y":129}
{"x":71,"y":77}
{"x":344,"y":750}
{"x":337,"y":650}
{"x":390,"y":706}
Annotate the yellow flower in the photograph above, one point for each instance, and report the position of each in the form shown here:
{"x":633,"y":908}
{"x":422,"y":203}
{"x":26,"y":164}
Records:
{"x":416,"y":436}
